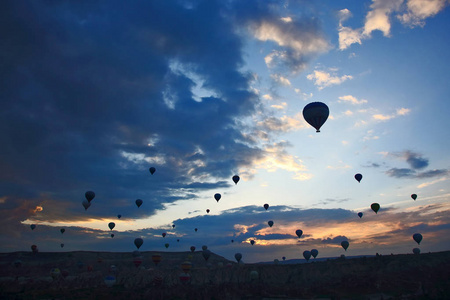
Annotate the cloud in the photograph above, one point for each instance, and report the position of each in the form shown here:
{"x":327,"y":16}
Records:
{"x":324,"y":79}
{"x":415,"y":160}
{"x":351,"y":99}
{"x":280,"y":80}
{"x":399,"y":112}
{"x":400,"y":173}
{"x":335,"y":240}
{"x":419,"y":10}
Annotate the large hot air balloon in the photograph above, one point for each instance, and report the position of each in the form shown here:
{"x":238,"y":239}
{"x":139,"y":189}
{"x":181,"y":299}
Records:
{"x":416,"y":251}
{"x":217,"y":197}
{"x":375,"y":207}
{"x":316,"y":113}
{"x":238,"y":257}
{"x":414,"y":196}
{"x":138,"y":242}
{"x":345,"y":245}
{"x":314,"y":253}
{"x":89,"y":195}
{"x":152,"y":170}
{"x":270,"y":223}
{"x":299,"y":232}
{"x":417,"y":237}
{"x":156,"y":258}
{"x":32,"y":226}
{"x":139,"y":202}
{"x":86,"y":204}
{"x":111,"y":225}
{"x":360,"y":214}
{"x":192,"y":248}
{"x":266,"y":206}
{"x":307,"y":255}
{"x":235,"y":179}
{"x":62,"y":230}
{"x":358,"y":177}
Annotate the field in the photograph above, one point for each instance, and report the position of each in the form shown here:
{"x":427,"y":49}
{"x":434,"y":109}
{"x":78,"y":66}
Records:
{"x":82,"y":276}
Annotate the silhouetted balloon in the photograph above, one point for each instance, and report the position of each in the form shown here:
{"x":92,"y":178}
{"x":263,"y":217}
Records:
{"x":62,"y":245}
{"x":316,"y":113}
{"x":173,"y":226}
{"x":62,"y":230}
{"x":238,"y":257}
{"x":204,"y":247}
{"x":139,"y":202}
{"x":232,"y":241}
{"x":178,"y":240}
{"x":299,"y":232}
{"x":266,"y":206}
{"x":112,"y":235}
{"x":32,"y":226}
{"x":111,"y":225}
{"x":217,"y":197}
{"x":89,"y":195}
{"x":235,"y":179}
{"x":358,"y":177}
{"x":119,"y":216}
{"x":416,"y":251}
{"x":207,"y":211}
{"x":152,"y":170}
{"x":283,"y":258}
{"x":314,"y":252}
{"x":417,"y":237}
{"x":375,"y":207}
{"x":196,"y":229}
{"x":206,"y":254}
{"x":252,"y":242}
{"x":307,"y":255}
{"x":86,"y":204}
{"x":414,"y":196}
{"x":345,"y":245}
{"x":192,"y":248}
{"x":360,"y":214}
{"x":163,"y":234}
{"x":166,"y":245}
{"x":270,"y":223}
{"x":138,"y":242}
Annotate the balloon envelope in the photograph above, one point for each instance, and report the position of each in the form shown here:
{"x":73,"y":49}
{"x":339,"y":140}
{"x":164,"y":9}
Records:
{"x":217,"y":197}
{"x":138,"y":242}
{"x":207,"y":211}
{"x":417,"y":237}
{"x":152,"y":170}
{"x":235,"y":179}
{"x":360,"y":214}
{"x":86,"y":204}
{"x":32,"y":226}
{"x":307,"y":254}
{"x":299,"y":232}
{"x":166,"y":245}
{"x":163,"y":234}
{"x":270,"y":223}
{"x":316,"y":113}
{"x":358,"y":177}
{"x":266,"y":206}
{"x":314,"y":252}
{"x":414,"y":196}
{"x":62,"y":245}
{"x":89,"y":195}
{"x":119,"y":216}
{"x":192,"y":248}
{"x":345,"y":245}
{"x":238,"y":257}
{"x":139,"y":202}
{"x":375,"y":207}
{"x":62,"y":230}
{"x":252,"y":242}
{"x":111,"y":225}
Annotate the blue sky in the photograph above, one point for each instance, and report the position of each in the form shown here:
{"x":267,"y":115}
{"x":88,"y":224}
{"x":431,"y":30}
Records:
{"x":94,"y":93}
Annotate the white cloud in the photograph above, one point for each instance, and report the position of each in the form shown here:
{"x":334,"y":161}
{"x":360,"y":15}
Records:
{"x":340,"y":166}
{"x":378,"y":17}
{"x":280,"y":79}
{"x":400,"y":112}
{"x":323,"y":79}
{"x":419,"y":10}
{"x":280,"y":106}
{"x":370,"y":136}
{"x":351,"y":99}
{"x":267,"y":97}
{"x":423,"y":185}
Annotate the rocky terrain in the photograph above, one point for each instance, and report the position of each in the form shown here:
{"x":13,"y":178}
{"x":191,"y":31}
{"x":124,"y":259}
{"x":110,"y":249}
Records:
{"x":25,"y":275}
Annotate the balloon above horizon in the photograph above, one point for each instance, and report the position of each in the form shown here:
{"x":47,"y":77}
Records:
{"x":236,"y":179}
{"x":375,"y":207}
{"x":358,"y":177}
{"x":316,"y":114}
{"x":153,"y":170}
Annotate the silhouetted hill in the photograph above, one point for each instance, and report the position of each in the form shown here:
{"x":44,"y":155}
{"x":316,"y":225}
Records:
{"x":407,"y":276}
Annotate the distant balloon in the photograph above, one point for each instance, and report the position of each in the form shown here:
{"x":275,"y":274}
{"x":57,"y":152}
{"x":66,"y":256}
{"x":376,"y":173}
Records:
{"x":238,"y":257}
{"x":173,"y":226}
{"x":358,"y":177}
{"x":62,"y":230}
{"x":252,"y":242}
{"x":314,"y":253}
{"x":119,"y":216}
{"x":204,"y":247}
{"x":375,"y":207}
{"x":266,"y":206}
{"x":270,"y":223}
{"x":89,"y":195}
{"x":232,"y":241}
{"x":34,"y":248}
{"x":299,"y":232}
{"x":283,"y":258}
{"x":414,"y":196}
{"x":235,"y":179}
{"x":32,"y":226}
{"x":139,"y":202}
{"x":206,"y":254}
{"x":62,"y":245}
{"x":184,"y":277}
{"x":417,"y":237}
{"x":86,"y":204}
{"x":360,"y":214}
{"x":207,"y":211}
{"x":307,"y":255}
{"x":152,"y":170}
{"x":186,"y":266}
{"x":163,"y":234}
{"x":196,"y":229}
{"x":416,"y":251}
{"x":112,"y":235}
{"x":166,"y":245}
{"x":345,"y":245}
{"x":178,"y":240}
{"x":156,"y":258}
{"x":138,"y":242}
{"x":316,"y":113}
{"x":111,"y":225}
{"x":192,"y":248}
{"x":217,"y":197}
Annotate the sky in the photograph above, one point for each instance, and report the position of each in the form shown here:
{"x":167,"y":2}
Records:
{"x":94,"y":93}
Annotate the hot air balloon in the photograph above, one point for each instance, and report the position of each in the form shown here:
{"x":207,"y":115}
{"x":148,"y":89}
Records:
{"x":206,"y":254}
{"x":192,"y":248}
{"x":110,"y":280}
{"x":207,"y":211}
{"x":173,"y":226}
{"x":112,"y":235}
{"x":232,"y":241}
{"x":111,"y":225}
{"x":360,"y":214}
{"x":62,"y":230}
{"x":358,"y":177}
{"x":375,"y":207}
{"x":217,"y":197}
{"x":252,"y":242}
{"x":163,"y":234}
{"x":204,"y":247}
{"x":270,"y":223}
{"x":307,"y":255}
{"x":414,"y":196}
{"x":119,"y":216}
{"x":137,"y":261}
{"x":86,"y":204}
{"x":417,"y":237}
{"x":238,"y":257}
{"x":283,"y":258}
{"x":266,"y":206}
{"x":196,"y":229}
{"x":299,"y":232}
{"x":235,"y":179}
{"x":152,"y":170}
{"x":314,"y":253}
{"x":156,"y":258}
{"x":32,"y":226}
{"x":139,"y":202}
{"x":416,"y":251}
{"x":345,"y":245}
{"x":166,"y":245}
{"x":89,"y":195}
{"x":178,"y":240}
{"x":186,"y":266}
{"x":138,"y":242}
{"x":62,"y":245}
{"x":184,"y":277}
{"x":316,"y":113}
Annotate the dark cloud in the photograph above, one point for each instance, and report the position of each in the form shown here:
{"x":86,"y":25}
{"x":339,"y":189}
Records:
{"x":401,"y":173}
{"x":335,"y":240}
{"x":432,"y":173}
{"x":330,"y":200}
{"x":416,"y":161}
